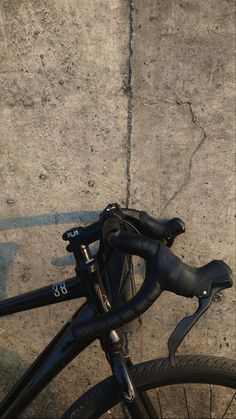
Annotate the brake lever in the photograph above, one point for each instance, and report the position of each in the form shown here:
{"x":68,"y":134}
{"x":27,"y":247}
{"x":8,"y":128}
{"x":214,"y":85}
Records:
{"x":186,"y":324}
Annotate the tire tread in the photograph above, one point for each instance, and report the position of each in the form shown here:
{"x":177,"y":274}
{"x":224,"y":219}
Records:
{"x":83,"y":407}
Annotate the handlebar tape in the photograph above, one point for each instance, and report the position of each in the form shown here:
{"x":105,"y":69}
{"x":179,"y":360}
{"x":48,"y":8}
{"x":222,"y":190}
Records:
{"x":164,"y":271}
{"x":147,"y":294}
{"x":156,"y":229}
{"x":148,"y":226}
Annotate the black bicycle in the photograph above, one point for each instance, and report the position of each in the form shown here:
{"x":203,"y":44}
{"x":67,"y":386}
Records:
{"x":188,"y":386}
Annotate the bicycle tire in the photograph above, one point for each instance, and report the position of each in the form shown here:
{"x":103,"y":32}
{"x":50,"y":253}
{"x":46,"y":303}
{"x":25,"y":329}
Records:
{"x":152,"y":374}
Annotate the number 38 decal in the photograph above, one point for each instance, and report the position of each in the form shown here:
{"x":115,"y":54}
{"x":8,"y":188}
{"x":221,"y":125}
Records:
{"x":60,"y":289}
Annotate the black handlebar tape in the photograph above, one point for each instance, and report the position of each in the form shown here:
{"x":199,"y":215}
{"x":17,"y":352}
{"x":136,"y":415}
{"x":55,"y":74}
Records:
{"x":164,"y":271}
{"x":132,"y":214}
{"x":147,"y":294}
{"x":152,"y":228}
{"x":136,"y":245}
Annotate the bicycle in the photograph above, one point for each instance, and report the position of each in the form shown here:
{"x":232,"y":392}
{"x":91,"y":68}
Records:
{"x":111,"y":303}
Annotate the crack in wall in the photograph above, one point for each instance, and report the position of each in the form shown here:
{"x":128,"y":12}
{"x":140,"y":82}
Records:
{"x":201,"y":142}
{"x":129,"y":91}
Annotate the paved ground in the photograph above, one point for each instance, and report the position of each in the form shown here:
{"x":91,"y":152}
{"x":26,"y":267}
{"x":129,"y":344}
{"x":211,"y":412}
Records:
{"x":112,"y":101}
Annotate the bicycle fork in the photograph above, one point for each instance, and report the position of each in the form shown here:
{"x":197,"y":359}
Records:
{"x":138,"y":404}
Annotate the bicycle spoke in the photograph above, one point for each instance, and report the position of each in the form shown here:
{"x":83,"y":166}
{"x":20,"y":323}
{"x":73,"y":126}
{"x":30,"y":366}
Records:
{"x":210,"y":400}
{"x":186,"y":402}
{"x":227,"y":408}
{"x":196,"y":397}
{"x":159,"y":402}
{"x":208,"y":405}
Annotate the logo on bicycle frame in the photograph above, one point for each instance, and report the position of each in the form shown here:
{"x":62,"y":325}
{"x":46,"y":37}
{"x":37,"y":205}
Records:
{"x":73,"y":233}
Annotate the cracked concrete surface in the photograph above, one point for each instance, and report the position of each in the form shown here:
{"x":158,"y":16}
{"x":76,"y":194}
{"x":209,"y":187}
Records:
{"x":182,"y":151}
{"x":129,"y":91}
{"x":63,"y":150}
{"x":113,"y":101}
{"x":204,"y":136}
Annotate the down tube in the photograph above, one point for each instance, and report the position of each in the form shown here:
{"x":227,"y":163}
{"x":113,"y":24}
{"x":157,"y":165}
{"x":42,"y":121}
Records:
{"x":60,"y":351}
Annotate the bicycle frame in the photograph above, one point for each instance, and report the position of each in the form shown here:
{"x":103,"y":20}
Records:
{"x":65,"y":347}
{"x":85,"y":326}
{"x":59,"y":352}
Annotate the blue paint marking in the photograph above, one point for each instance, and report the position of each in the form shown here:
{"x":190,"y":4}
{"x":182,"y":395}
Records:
{"x":64,"y":261}
{"x":7,"y":255}
{"x":9,"y":250}
{"x":48,"y":219}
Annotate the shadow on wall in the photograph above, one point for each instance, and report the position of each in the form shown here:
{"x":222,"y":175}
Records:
{"x":12,"y":368}
{"x":7,"y":255}
{"x":9,"y":250}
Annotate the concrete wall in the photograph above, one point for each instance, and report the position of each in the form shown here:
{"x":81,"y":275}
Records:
{"x":108,"y":101}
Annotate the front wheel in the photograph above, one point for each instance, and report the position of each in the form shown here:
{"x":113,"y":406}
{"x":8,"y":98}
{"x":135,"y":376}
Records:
{"x":197,"y":387}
